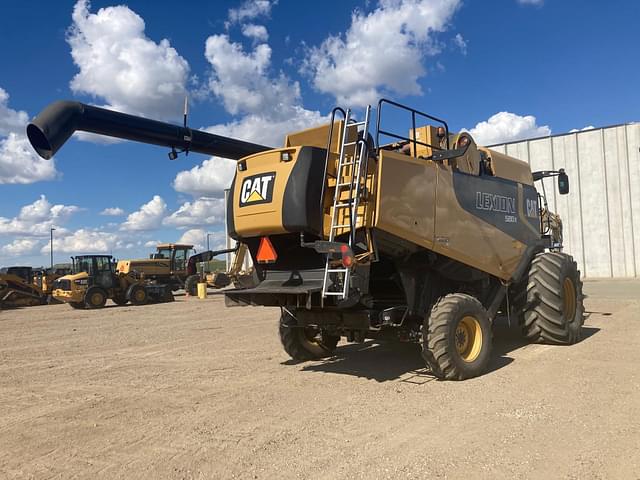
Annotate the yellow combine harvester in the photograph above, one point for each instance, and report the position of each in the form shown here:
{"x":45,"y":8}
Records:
{"x":425,"y":238}
{"x":170,"y":264}
{"x":179,"y":266}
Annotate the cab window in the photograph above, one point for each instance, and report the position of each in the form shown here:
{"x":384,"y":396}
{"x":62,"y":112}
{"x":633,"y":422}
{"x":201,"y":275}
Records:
{"x":180,"y":260}
{"x":164,"y":253}
{"x":103,"y":264}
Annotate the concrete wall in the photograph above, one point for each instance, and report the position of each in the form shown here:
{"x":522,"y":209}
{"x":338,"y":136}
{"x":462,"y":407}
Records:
{"x":601,"y":214}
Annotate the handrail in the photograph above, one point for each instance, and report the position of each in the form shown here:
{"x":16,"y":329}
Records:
{"x":326,"y":164}
{"x":413,"y":140}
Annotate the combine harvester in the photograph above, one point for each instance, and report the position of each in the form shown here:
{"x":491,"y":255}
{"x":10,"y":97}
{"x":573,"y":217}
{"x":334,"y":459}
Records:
{"x":179,"y":266}
{"x":425,"y":239}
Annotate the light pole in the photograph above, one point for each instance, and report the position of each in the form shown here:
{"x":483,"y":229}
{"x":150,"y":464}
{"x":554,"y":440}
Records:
{"x":51,"y":245}
{"x":208,"y":234}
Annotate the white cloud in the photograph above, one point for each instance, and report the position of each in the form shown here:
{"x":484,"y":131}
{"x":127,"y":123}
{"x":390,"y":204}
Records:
{"x":382,"y":51}
{"x":20,"y":246}
{"x":10,"y":120}
{"x":461,"y":43}
{"x":18,"y":161}
{"x":537,"y":3}
{"x":36,"y":219}
{"x":210,"y":178}
{"x":112,"y":212}
{"x":507,"y":127}
{"x":270,"y":128}
{"x":149,"y":217}
{"x":251,"y":9}
{"x":121,"y":65}
{"x":574,"y":130}
{"x":203,"y":211}
{"x":84,"y":241}
{"x":152,"y":243}
{"x":241,"y":79}
{"x":271,"y":106}
{"x":257,"y":33}
{"x":198,"y":238}
{"x":195,"y":237}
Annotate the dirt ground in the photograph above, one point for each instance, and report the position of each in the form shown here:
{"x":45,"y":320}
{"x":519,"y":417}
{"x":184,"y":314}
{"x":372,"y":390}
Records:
{"x":192,"y":389}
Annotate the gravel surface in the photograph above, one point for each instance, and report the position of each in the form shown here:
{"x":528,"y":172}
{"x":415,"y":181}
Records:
{"x":192,"y":389}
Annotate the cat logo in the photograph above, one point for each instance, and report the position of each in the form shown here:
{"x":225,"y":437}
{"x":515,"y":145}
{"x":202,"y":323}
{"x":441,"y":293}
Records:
{"x":532,"y":208}
{"x":257,"y":189}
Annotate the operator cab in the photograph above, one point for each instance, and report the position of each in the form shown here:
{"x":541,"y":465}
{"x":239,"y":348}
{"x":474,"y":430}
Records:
{"x":26,"y":273}
{"x":178,"y":254}
{"x":100,"y":268}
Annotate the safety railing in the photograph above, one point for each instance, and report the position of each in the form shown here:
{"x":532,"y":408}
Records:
{"x":414,"y":142}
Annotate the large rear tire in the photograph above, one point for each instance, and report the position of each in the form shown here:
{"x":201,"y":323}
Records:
{"x":120,"y":300}
{"x":457,"y":338}
{"x":553,"y":310}
{"x":95,"y":297}
{"x":305,"y":343}
{"x":138,"y":295}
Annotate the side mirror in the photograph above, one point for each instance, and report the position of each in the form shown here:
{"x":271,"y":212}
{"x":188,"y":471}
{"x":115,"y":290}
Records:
{"x":563,"y":182}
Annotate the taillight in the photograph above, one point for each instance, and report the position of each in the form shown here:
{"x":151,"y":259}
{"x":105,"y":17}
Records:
{"x":347,"y":256}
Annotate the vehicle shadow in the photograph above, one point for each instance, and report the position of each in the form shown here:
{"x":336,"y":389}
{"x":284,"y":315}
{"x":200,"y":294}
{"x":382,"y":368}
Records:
{"x":403,"y":362}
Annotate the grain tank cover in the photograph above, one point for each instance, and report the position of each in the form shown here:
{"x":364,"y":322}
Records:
{"x":507,"y":167}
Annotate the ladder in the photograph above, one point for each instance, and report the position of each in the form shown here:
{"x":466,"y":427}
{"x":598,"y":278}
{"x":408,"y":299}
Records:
{"x":347,"y":195}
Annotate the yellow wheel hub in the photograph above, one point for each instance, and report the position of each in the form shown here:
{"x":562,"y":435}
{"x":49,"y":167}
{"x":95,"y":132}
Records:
{"x":96,"y":299}
{"x":468,"y":338}
{"x":569,"y":297}
{"x":140,"y":295}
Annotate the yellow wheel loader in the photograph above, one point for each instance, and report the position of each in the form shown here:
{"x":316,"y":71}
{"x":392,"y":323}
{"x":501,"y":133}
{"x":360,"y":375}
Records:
{"x":94,"y":280}
{"x":386,"y":231}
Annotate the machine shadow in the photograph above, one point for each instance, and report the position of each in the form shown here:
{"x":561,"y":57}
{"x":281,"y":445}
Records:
{"x":403,"y":362}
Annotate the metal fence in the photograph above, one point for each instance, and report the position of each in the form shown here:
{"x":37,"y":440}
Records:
{"x":601,"y":214}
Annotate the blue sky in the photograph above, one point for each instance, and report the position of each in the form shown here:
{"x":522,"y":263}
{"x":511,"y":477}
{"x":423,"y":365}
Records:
{"x":506,"y":69}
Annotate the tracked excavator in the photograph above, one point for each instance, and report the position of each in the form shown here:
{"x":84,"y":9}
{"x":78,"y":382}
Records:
{"x":361,"y":230}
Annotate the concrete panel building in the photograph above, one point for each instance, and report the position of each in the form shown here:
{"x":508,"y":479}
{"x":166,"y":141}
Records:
{"x":601,"y":214}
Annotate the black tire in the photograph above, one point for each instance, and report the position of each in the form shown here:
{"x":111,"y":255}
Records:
{"x":77,"y":305}
{"x":138,"y":295}
{"x":52,"y":301}
{"x":458,"y":338}
{"x":191,"y":285}
{"x":552,"y":309}
{"x":95,"y":297}
{"x":305,"y":343}
{"x":120,"y":300}
{"x":167,"y":296}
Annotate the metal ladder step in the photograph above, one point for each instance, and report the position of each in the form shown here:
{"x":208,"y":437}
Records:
{"x":339,"y":278}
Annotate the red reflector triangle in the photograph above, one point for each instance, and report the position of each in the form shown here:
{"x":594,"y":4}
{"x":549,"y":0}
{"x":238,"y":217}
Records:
{"x":266,"y":252}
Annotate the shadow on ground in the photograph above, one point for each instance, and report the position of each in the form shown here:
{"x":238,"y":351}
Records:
{"x":403,"y":361}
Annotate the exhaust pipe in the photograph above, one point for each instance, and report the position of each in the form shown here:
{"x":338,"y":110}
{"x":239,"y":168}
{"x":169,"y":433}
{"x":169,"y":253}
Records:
{"x":56,"y":123}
